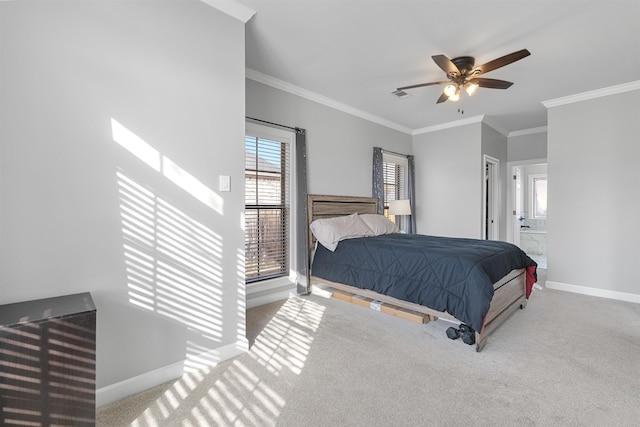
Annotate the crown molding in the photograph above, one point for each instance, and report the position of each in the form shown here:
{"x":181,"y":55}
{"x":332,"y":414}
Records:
{"x":529,"y":131}
{"x":449,"y":125}
{"x":320,"y":99}
{"x":491,"y":123}
{"x":598,"y":93}
{"x":315,"y":97}
{"x":232,"y":8}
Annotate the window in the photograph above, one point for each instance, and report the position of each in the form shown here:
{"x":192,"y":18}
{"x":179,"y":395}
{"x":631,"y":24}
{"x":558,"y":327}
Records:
{"x":539,"y":193}
{"x":267,"y":205}
{"x":394,"y":178}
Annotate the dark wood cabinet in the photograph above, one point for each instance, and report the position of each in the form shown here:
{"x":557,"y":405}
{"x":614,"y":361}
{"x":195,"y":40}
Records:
{"x":47,"y":362}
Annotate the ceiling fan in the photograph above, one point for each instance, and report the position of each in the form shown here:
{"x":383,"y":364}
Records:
{"x":463,"y":74}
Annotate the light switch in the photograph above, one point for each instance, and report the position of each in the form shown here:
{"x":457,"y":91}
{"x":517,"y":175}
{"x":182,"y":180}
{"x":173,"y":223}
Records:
{"x":225,"y":183}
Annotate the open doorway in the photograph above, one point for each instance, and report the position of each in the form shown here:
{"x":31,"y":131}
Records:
{"x":490,"y":199}
{"x":527,"y":208}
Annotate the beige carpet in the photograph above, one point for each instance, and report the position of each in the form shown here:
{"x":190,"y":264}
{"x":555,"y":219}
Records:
{"x":566,"y":359}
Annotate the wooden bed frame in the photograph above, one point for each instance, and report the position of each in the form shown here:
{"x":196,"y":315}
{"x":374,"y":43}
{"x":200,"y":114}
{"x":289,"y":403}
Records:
{"x":509,"y":292}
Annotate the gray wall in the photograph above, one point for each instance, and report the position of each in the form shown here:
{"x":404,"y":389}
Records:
{"x":593,"y":157}
{"x":527,"y":147}
{"x":339,"y":145}
{"x":448,"y":181}
{"x":81,"y":212}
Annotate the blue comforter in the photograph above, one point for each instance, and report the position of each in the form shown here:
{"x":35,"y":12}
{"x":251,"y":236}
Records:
{"x":455,"y":275}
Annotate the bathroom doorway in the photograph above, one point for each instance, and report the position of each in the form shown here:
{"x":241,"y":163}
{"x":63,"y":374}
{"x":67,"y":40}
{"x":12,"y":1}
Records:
{"x":527,"y":204}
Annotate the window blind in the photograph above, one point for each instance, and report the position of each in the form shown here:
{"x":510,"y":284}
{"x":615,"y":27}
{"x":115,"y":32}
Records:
{"x":267,"y":205}
{"x":394,"y":177}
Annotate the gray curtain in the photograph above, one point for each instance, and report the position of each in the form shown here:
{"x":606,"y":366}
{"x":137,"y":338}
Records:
{"x":377,"y":189}
{"x":411,"y":190}
{"x":303,"y":282}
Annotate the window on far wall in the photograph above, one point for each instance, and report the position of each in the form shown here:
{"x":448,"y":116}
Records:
{"x":539,"y":196}
{"x":267,"y":207}
{"x":394,"y":177}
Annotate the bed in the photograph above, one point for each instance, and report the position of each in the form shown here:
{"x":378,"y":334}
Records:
{"x":474,"y":298}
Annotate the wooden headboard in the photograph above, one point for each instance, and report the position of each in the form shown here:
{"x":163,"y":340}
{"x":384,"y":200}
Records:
{"x":322,"y":206}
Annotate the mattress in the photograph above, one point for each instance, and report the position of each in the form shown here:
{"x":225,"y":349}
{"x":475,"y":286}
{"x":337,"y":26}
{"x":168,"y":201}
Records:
{"x":455,"y":275}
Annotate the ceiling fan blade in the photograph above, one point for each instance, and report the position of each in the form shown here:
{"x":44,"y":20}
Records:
{"x":446,"y":65}
{"x":442,"y":98}
{"x":423,"y":84}
{"x":501,"y":62}
{"x":491,"y":83}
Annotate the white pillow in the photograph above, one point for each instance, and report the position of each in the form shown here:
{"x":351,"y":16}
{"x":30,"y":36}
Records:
{"x":379,"y":224}
{"x":330,"y":231}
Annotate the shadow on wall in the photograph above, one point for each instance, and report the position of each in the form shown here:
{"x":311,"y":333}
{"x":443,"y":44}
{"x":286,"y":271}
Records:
{"x":173,"y":263}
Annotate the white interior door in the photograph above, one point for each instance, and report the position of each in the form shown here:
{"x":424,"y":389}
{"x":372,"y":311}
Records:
{"x":517,"y":204}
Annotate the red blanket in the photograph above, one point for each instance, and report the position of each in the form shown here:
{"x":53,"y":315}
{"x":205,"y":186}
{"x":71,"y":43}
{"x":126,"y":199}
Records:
{"x":531,"y":279}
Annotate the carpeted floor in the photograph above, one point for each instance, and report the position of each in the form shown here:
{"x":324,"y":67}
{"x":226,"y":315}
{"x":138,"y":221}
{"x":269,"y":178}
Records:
{"x":566,"y":359}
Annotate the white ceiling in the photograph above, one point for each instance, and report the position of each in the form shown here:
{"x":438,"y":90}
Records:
{"x":356,"y":52}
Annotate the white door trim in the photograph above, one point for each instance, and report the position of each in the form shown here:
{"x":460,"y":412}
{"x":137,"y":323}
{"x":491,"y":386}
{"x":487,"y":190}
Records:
{"x":490,"y":198}
{"x":510,"y":200}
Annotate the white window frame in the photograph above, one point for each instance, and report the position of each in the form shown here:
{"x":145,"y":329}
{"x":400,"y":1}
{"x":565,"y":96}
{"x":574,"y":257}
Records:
{"x":532,"y":195}
{"x":288,"y":137}
{"x":404,"y":163}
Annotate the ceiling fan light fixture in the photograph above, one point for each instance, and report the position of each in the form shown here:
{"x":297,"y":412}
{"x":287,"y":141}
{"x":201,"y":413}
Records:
{"x":462,"y":74}
{"x":470,"y":88}
{"x":450,"y":90}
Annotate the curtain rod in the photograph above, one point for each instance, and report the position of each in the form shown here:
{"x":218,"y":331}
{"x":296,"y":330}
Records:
{"x":298,"y":130}
{"x":393,"y":152}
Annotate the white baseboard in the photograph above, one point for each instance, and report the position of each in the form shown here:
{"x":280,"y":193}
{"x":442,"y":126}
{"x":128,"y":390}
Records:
{"x":270,"y":296}
{"x":585,"y":290}
{"x":122,"y":389}
{"x":114,"y":392}
{"x":211,"y":358}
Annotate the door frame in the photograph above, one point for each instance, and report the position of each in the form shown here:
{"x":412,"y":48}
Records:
{"x":490,"y":198}
{"x":511,"y":202}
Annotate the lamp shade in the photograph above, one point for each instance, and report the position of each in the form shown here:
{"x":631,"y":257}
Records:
{"x":470,"y":88}
{"x":450,"y":90}
{"x":399,"y":207}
